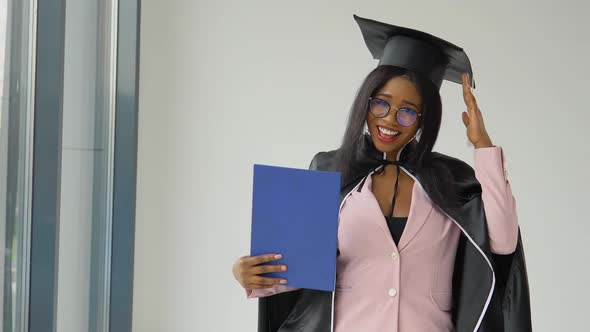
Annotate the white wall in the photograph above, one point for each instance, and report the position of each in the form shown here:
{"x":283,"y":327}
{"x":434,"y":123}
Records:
{"x":225,"y":84}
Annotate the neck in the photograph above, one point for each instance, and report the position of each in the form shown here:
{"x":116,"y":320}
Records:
{"x":391,"y":156}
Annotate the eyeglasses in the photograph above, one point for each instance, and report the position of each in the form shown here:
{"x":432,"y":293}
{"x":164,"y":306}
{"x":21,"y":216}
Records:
{"x":405,"y":116}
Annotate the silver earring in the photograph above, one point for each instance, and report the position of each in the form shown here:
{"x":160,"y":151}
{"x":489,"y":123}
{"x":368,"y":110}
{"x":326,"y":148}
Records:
{"x":366,"y":129}
{"x":418,"y":135}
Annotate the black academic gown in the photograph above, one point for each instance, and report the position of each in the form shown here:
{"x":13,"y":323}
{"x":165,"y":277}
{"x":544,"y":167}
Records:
{"x":490,"y":291}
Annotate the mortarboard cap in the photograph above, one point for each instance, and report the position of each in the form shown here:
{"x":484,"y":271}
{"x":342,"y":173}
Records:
{"x":420,"y":52}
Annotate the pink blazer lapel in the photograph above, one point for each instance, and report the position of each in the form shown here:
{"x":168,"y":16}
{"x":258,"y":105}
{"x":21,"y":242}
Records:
{"x":420,"y":209}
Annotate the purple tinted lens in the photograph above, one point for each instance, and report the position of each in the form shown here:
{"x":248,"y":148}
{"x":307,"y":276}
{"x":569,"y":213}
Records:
{"x":406,"y":117}
{"x":378,"y":107}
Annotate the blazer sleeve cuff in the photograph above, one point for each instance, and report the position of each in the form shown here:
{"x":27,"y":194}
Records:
{"x":490,"y":164}
{"x":263,"y":292}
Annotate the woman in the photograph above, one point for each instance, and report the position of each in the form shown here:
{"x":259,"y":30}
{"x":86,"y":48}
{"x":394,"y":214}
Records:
{"x":425,"y":242}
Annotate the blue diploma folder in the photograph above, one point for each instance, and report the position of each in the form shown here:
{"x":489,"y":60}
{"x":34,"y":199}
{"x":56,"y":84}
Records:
{"x":295,"y":213}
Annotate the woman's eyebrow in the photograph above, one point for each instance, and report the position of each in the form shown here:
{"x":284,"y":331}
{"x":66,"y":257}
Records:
{"x":390,"y":96}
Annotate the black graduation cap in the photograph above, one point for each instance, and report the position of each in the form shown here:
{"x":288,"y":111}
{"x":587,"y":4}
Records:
{"x":430,"y":56}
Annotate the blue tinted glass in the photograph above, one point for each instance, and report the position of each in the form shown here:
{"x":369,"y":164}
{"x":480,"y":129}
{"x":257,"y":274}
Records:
{"x":382,"y":103}
{"x":406,"y":116}
{"x":378,"y":107}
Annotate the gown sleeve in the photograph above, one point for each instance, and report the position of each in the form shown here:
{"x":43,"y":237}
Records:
{"x":498,"y":200}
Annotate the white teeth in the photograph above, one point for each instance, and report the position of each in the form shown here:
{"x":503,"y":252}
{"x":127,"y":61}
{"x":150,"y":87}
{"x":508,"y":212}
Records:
{"x":388,"y":132}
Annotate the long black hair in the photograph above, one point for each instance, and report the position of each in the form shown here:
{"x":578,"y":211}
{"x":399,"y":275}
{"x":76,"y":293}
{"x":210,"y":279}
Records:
{"x":418,"y":154}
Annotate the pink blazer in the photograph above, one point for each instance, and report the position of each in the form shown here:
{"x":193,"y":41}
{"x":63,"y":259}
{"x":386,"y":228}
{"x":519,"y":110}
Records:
{"x":382,"y":286}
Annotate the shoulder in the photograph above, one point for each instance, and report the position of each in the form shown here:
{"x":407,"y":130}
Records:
{"x":455,"y":172}
{"x":323,"y":160}
{"x":453,"y":164}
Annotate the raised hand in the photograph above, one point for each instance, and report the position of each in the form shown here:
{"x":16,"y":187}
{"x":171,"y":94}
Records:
{"x":472,"y":119}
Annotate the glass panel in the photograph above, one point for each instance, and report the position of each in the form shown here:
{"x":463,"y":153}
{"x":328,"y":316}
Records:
{"x":17,"y":31}
{"x":83,"y":286}
{"x":86,"y":188}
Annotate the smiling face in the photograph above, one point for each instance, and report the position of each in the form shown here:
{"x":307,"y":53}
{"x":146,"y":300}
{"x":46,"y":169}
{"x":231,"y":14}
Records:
{"x":388,"y":135}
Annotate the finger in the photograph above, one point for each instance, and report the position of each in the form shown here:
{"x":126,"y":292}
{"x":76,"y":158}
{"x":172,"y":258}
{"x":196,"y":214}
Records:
{"x":465,"y":118}
{"x":267,"y":268}
{"x":468,"y":96}
{"x":465,"y":85}
{"x":478,"y":111}
{"x":256,"y":260}
{"x":265,"y":281}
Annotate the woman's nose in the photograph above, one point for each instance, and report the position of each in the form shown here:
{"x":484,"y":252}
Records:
{"x":391,"y":116}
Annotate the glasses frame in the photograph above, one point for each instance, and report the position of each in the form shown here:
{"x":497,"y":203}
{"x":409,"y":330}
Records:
{"x":389,"y":107}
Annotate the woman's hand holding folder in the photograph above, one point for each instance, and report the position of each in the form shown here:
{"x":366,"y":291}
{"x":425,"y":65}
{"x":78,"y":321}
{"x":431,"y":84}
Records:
{"x":247,"y":270}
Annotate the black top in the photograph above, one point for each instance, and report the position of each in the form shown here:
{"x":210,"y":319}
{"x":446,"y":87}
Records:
{"x":396,"y":227}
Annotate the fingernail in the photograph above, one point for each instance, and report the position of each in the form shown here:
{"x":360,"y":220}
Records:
{"x":283,"y":281}
{"x":284,"y":268}
{"x":278,"y":256}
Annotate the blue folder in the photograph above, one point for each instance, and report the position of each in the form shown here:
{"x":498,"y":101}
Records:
{"x":295,"y":213}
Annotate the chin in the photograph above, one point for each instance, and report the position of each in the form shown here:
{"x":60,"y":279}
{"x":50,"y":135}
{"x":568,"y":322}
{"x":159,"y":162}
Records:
{"x":389,"y":147}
